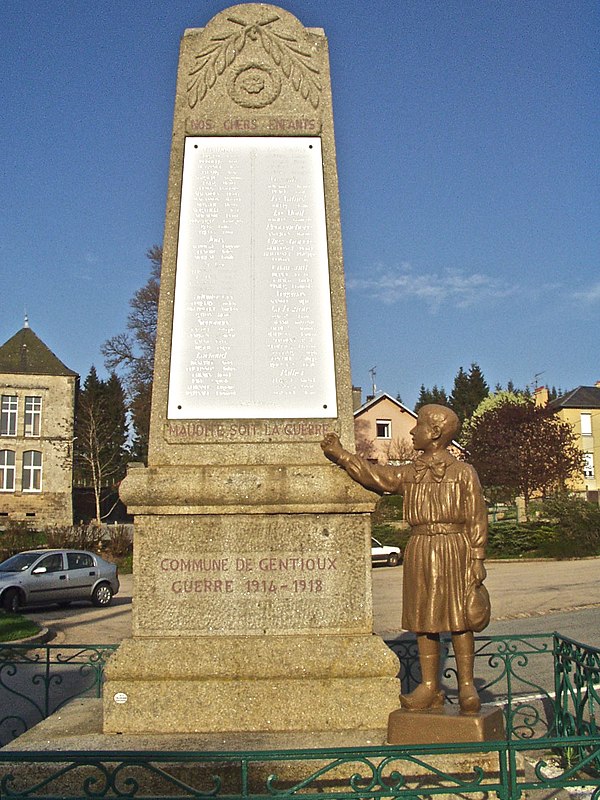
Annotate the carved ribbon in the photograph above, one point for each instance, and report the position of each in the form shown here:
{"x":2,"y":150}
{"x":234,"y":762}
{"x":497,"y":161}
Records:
{"x":437,"y":469}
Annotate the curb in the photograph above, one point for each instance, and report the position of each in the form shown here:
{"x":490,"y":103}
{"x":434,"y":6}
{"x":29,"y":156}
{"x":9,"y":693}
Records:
{"x":537,"y":560}
{"x":45,"y":635}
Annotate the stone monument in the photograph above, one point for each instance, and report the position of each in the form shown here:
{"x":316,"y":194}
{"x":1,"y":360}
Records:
{"x":252,"y":573}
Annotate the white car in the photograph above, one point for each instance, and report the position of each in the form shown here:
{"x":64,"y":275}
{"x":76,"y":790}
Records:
{"x":384,"y":554}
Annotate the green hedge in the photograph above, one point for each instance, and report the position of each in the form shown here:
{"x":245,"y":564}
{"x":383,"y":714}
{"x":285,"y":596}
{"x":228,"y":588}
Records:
{"x":563,"y":527}
{"x":113,"y":542}
{"x":514,"y":540}
{"x":17,"y":536}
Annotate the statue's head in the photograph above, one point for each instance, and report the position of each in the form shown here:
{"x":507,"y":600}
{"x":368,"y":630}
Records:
{"x":442,"y":418}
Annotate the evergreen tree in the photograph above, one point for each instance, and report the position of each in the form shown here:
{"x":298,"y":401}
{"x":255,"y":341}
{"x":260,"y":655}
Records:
{"x":468,"y":392}
{"x":133,"y":353}
{"x":439,"y":396}
{"x":555,"y":393}
{"x":460,"y":395}
{"x":427,"y":396}
{"x":92,"y":385}
{"x":116,"y":411}
{"x":422,"y":399}
{"x":478,"y":383}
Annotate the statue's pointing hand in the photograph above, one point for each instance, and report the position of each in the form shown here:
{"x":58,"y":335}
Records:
{"x":332,"y":447}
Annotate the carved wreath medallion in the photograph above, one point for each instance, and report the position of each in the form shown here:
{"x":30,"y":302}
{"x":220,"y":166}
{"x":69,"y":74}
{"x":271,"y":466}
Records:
{"x":255,"y":85}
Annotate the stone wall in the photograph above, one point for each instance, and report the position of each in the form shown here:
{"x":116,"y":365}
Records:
{"x":52,"y":505}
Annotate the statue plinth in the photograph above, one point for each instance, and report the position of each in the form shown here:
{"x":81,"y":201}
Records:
{"x":444,"y":725}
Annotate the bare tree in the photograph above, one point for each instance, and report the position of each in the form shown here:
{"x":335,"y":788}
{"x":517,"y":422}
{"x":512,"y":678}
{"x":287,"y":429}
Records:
{"x":101,"y":432}
{"x":401,"y":451}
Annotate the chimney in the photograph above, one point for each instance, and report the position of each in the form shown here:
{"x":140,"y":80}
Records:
{"x":541,"y":396}
{"x":356,"y":397}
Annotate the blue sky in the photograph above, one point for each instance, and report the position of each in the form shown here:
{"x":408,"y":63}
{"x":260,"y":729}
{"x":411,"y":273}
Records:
{"x":467,"y":141}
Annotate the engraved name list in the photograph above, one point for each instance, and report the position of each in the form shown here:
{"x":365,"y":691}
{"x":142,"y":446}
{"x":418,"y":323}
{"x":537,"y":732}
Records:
{"x":252,"y":331}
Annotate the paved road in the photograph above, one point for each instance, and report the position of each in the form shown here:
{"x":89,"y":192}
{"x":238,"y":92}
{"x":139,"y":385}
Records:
{"x":527,"y":597}
{"x":83,"y":623}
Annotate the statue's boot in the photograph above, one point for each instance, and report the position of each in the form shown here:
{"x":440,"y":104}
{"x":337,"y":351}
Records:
{"x":428,"y":693}
{"x":467,"y":693}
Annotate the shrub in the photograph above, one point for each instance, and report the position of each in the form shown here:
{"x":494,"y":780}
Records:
{"x":388,"y":534}
{"x":125,"y":564}
{"x":18,"y":536}
{"x":513,"y":540}
{"x":119,"y":540}
{"x":565,"y":527}
{"x":577,"y":523}
{"x":388,"y":509}
{"x":85,"y":536}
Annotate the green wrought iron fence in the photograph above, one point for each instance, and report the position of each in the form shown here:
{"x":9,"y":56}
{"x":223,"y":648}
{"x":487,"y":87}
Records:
{"x":552,"y":739}
{"x":577,"y":695}
{"x":36,"y":682}
{"x":508,"y":769}
{"x":513,"y":672}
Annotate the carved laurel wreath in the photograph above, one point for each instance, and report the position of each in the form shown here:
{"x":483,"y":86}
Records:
{"x":284,"y":50}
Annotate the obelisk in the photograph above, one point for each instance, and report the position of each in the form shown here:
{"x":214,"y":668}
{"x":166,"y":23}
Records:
{"x":252,"y":573}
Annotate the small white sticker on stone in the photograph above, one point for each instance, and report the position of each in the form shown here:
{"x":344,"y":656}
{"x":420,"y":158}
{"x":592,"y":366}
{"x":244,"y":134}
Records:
{"x":120,"y":698}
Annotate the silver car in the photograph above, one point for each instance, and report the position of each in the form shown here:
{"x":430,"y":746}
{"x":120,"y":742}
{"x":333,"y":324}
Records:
{"x":56,"y":576}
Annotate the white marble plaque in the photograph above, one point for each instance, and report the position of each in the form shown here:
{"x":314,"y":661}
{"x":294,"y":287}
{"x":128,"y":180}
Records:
{"x":252,"y":329}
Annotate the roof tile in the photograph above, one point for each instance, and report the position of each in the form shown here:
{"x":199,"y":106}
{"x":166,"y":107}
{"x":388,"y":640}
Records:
{"x":26,"y":354}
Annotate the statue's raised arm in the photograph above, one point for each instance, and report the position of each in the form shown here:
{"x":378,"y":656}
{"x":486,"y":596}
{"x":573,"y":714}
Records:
{"x":378,"y":478}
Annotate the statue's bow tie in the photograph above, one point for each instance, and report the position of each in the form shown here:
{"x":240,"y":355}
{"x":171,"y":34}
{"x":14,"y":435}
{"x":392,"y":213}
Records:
{"x":437,"y":469}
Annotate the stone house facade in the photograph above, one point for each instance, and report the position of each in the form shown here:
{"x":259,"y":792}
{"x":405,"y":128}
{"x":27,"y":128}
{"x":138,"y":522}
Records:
{"x":37,"y":404}
{"x":581,"y":409}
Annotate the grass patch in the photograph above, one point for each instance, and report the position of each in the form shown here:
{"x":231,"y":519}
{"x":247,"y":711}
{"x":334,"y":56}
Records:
{"x":124,"y":563}
{"x":14,"y":627}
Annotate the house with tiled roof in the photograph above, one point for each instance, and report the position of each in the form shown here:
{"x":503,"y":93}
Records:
{"x":382,"y":429}
{"x":37,"y":405}
{"x":581,"y":409}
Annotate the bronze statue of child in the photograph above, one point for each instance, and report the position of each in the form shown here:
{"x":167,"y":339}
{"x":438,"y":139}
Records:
{"x":443,"y":563}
